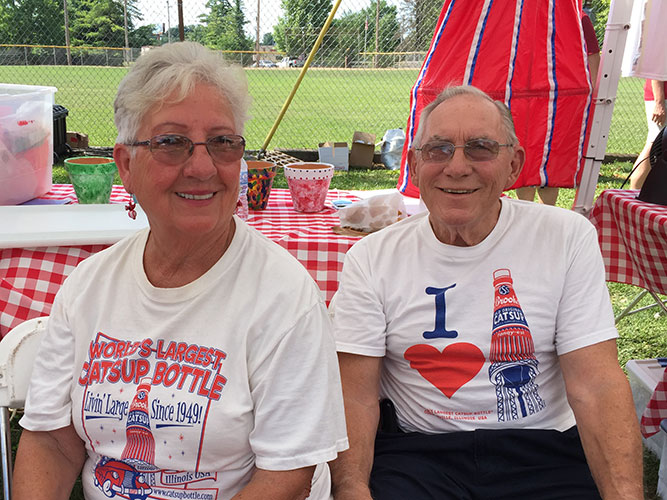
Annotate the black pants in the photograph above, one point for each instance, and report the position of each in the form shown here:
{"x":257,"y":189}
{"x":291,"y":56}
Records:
{"x":481,"y":465}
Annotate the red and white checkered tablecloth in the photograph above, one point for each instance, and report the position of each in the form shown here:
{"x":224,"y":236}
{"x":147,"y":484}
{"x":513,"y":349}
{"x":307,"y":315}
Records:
{"x":633,"y":239}
{"x":30,"y":277}
{"x":656,"y":409}
{"x":308,"y":237}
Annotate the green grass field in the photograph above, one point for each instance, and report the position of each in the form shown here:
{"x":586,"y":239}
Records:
{"x":329,"y":105}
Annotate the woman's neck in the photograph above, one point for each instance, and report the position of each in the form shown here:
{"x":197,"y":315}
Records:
{"x":173,"y":262}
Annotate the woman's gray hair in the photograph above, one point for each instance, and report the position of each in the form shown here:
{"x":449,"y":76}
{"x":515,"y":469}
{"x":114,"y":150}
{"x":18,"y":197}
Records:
{"x":175,"y":69}
{"x":458,"y":90}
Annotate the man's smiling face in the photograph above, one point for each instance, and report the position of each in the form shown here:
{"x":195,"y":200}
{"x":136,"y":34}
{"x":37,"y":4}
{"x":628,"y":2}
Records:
{"x":463,"y":195}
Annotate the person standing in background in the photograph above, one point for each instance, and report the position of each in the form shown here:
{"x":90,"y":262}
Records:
{"x":645,"y":57}
{"x":549,"y":195}
{"x":654,"y":100}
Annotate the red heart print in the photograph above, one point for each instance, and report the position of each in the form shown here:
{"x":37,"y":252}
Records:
{"x":448,"y":370}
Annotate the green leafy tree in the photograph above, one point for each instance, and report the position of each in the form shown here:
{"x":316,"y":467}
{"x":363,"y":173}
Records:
{"x":599,"y":13}
{"x":32,"y":22}
{"x":267,"y":39}
{"x":224,"y":25}
{"x":192,"y":32}
{"x":296,"y":32}
{"x":195,"y":33}
{"x":100,"y":23}
{"x":419,"y":20}
{"x":5,"y":31}
{"x":354,"y":34}
{"x":144,"y":35}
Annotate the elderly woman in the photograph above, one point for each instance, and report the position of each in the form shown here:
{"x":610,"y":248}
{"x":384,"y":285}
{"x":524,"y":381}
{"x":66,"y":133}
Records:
{"x":192,"y":359}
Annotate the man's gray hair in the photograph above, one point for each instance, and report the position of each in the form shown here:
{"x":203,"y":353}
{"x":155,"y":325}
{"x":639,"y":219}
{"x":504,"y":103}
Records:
{"x":458,"y":90}
{"x":173,"y":70}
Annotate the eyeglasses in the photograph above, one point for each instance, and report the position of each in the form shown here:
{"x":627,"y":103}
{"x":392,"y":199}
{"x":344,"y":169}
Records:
{"x":474,"y":149}
{"x":175,"y":149}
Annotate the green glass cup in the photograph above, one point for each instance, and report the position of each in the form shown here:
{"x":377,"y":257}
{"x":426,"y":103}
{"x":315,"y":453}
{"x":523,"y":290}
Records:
{"x":92,"y":178}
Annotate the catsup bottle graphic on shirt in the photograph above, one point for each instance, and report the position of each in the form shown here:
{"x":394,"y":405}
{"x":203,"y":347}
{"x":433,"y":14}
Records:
{"x":513,"y":362}
{"x":140,"y":444}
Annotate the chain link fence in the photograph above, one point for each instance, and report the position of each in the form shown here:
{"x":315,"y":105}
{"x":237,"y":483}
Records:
{"x":628,"y":130}
{"x":360,"y":79}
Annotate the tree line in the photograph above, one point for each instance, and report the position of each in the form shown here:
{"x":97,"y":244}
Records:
{"x":380,"y":27}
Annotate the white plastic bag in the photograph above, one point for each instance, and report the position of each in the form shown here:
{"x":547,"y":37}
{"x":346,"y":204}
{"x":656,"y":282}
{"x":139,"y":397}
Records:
{"x":391,"y":148}
{"x":374,"y":213}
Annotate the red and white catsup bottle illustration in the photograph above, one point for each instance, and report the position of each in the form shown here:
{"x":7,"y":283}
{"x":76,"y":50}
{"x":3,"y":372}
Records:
{"x":140,"y":445}
{"x":513,"y":363}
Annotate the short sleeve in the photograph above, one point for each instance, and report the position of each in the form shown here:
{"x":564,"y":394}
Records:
{"x":48,"y":403}
{"x":358,"y":313}
{"x":592,"y":45}
{"x":585,"y":315}
{"x":299,"y":415}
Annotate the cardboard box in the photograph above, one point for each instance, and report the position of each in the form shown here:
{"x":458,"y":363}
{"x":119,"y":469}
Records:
{"x":26,"y":142}
{"x":363,"y":147}
{"x":335,"y":153}
{"x":77,"y":140}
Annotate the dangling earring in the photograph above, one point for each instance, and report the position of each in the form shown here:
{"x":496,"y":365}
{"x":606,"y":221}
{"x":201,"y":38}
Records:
{"x":130,"y":207}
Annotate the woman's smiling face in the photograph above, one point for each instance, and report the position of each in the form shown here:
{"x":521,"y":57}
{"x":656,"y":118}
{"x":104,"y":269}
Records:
{"x":197,"y":197}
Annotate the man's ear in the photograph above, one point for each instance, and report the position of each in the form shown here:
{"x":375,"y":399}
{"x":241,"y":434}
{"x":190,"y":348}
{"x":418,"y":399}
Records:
{"x":121,"y":155}
{"x":516,"y":165}
{"x":413,"y":170}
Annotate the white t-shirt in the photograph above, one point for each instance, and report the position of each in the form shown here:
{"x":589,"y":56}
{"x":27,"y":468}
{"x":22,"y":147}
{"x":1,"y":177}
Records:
{"x":428,"y":308}
{"x":187,"y":389}
{"x":645,"y":54}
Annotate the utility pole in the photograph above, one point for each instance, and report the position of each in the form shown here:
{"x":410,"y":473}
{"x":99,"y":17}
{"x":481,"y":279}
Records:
{"x":377,"y":31}
{"x":69,"y":53}
{"x":168,"y":24}
{"x":257,"y":34}
{"x":365,"y":41}
{"x":181,"y":26}
{"x":127,"y":42}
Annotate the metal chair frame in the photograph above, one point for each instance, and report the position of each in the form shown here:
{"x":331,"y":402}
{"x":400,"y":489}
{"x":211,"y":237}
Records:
{"x":628,"y":310}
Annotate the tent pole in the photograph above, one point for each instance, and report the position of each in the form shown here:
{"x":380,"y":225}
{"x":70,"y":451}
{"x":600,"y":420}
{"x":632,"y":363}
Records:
{"x":288,"y":101}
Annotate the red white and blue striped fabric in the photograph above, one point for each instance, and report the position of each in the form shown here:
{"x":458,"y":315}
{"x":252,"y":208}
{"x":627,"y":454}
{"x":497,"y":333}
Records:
{"x":529,"y":54}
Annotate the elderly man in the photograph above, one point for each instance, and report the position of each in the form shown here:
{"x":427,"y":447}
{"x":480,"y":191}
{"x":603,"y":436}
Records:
{"x":494,"y":384}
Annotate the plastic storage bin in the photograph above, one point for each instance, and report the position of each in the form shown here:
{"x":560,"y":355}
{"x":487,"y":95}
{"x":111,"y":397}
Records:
{"x":26,"y":142}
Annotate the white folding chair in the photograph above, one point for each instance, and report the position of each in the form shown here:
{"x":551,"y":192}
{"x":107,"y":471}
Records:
{"x":18,"y":350}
